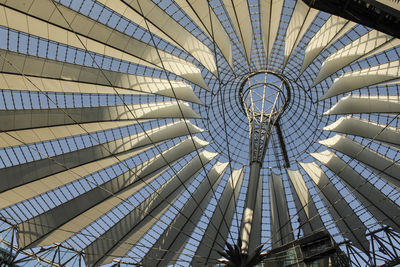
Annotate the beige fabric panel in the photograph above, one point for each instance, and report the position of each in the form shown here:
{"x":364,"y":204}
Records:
{"x":148,"y":171}
{"x":16,"y":138}
{"x":392,"y":82}
{"x":180,"y":36}
{"x":334,"y":28}
{"x":35,"y":188}
{"x":44,"y":20}
{"x":35,"y":170}
{"x":379,"y":205}
{"x":60,"y":33}
{"x":133,"y":15}
{"x":118,"y":240}
{"x":178,"y":246}
{"x":376,"y":75}
{"x":35,"y":118}
{"x":23,"y":176}
{"x":353,"y":104}
{"x":39,"y":84}
{"x":360,"y":127}
{"x":270,"y":13}
{"x":213,"y":237}
{"x":370,"y":43}
{"x":281,"y":226}
{"x":347,"y":221}
{"x":96,"y":202}
{"x":180,"y":90}
{"x":200,"y":13}
{"x":238,"y":11}
{"x":176,"y":235}
{"x":54,"y":76}
{"x":301,"y":19}
{"x":394,"y":42}
{"x":310,"y":219}
{"x":383,"y":166}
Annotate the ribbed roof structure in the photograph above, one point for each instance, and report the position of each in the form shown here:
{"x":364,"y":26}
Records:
{"x":123,"y":137}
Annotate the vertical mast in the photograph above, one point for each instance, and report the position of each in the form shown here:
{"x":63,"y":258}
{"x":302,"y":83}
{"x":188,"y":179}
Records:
{"x":264,"y":98}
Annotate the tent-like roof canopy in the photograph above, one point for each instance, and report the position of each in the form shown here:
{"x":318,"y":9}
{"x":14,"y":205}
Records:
{"x":123,"y":137}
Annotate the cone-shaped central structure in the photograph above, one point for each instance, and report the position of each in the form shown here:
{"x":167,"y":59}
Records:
{"x":264,"y":96}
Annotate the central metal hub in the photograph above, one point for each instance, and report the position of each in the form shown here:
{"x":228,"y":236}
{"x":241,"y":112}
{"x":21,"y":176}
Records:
{"x":264,"y":93}
{"x":264,"y":96}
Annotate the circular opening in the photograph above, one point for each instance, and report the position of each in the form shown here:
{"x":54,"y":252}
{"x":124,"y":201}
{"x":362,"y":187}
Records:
{"x":264,"y":93}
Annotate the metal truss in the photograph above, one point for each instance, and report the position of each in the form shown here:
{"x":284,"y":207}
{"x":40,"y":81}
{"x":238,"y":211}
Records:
{"x":54,"y":255}
{"x":384,"y":249}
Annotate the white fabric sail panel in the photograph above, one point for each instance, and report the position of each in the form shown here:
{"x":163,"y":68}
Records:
{"x":173,"y":89}
{"x":180,"y":36}
{"x":281,"y":226}
{"x":41,"y":28}
{"x":270,"y":15}
{"x":38,"y":84}
{"x":376,"y":75}
{"x":377,"y":203}
{"x":20,"y":137}
{"x":347,"y":221}
{"x":35,"y":170}
{"x":239,"y":14}
{"x":370,"y":43}
{"x":364,"y":128}
{"x":53,"y":76}
{"x":302,"y":200}
{"x":392,"y":43}
{"x":180,"y":229}
{"x":44,"y":20}
{"x":309,"y":217}
{"x":35,"y":118}
{"x":135,"y":16}
{"x":29,"y":172}
{"x":352,"y":104}
{"x":204,"y":16}
{"x":96,"y":202}
{"x":40,"y":186}
{"x":385,"y":167}
{"x":131,"y":14}
{"x":392,"y":82}
{"x":334,"y":28}
{"x":147,"y":172}
{"x":301,"y":19}
{"x":213,"y":239}
{"x":118,"y":240}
